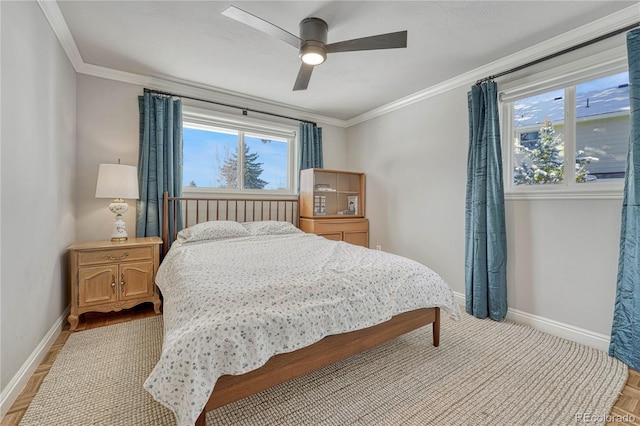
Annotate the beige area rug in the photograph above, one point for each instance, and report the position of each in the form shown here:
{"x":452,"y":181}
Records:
{"x":483,"y":373}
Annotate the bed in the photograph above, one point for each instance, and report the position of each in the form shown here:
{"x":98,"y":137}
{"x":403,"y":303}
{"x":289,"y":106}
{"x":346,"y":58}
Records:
{"x":250,"y":301}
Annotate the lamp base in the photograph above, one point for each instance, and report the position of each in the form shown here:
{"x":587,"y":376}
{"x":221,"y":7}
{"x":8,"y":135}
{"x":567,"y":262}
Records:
{"x":119,"y":231}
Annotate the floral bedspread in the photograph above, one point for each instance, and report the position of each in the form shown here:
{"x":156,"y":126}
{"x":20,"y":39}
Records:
{"x":230,"y":305}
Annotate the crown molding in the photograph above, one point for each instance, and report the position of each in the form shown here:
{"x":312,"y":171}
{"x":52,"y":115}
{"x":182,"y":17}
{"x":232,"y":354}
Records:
{"x":189,"y":88}
{"x":620,"y":19}
{"x":182,"y":87}
{"x":59,"y":26}
{"x":592,"y":30}
{"x":113,"y":74}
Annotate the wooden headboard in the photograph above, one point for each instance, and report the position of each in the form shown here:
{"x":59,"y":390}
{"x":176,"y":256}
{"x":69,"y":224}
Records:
{"x":199,"y":209}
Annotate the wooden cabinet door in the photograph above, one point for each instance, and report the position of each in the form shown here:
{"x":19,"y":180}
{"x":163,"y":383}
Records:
{"x":357,"y":238}
{"x":97,"y":285}
{"x":135,"y":280}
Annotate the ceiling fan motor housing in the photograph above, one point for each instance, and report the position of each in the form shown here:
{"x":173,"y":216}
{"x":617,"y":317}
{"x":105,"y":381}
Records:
{"x":313,"y":32}
{"x":314,"y":29}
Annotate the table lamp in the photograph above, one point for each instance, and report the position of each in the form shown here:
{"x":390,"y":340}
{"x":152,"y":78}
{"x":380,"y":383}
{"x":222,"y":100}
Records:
{"x":118,"y":181}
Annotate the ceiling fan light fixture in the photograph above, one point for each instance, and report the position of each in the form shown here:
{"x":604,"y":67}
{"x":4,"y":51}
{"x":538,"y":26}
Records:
{"x":312,"y":53}
{"x":312,"y":44}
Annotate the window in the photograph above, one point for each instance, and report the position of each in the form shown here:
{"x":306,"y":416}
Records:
{"x":603,"y":126}
{"x":538,"y":154}
{"x":569,"y":138}
{"x":230,"y":155}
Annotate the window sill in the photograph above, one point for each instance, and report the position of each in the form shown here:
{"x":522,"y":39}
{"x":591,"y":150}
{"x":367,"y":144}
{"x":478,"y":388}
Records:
{"x":590,"y":191}
{"x":238,"y":195}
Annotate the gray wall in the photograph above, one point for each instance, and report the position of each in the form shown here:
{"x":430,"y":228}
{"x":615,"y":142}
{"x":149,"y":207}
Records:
{"x":415,"y":159}
{"x":107,"y":131}
{"x":563,"y":258}
{"x":38,"y":170}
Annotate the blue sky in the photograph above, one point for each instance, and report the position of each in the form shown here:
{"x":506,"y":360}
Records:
{"x":204,"y":153}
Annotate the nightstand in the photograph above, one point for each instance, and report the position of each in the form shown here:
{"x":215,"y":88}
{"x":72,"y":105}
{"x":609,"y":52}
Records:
{"x":110,"y":276}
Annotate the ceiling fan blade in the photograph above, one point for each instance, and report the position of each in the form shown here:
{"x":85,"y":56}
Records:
{"x":262,"y":25}
{"x":304,"y":75}
{"x":381,"y":41}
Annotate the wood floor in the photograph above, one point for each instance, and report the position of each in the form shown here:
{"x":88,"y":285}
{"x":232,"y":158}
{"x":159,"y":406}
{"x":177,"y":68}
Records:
{"x":626,"y":411}
{"x":87,"y":321}
{"x":627,"y":406}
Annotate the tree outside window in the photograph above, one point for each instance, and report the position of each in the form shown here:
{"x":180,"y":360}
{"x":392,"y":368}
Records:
{"x":215,"y":157}
{"x":252,"y":170}
{"x":542,"y":160}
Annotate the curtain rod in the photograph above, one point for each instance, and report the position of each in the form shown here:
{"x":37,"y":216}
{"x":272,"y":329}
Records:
{"x":562,"y":52}
{"x":244,"y":109}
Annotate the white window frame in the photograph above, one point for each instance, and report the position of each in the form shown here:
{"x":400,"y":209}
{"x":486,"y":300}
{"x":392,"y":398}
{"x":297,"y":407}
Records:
{"x":203,"y":119}
{"x":565,"y":77}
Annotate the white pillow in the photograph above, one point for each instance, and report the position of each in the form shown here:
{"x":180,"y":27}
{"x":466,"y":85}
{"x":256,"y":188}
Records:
{"x":214,"y":230}
{"x":270,"y":227}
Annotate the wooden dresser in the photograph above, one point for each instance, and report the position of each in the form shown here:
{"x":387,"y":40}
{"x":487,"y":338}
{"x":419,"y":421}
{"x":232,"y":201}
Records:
{"x":354,"y":231}
{"x":332,"y":205}
{"x":110,"y":276}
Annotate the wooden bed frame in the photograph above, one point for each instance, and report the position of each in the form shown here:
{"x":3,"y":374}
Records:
{"x":287,"y":366}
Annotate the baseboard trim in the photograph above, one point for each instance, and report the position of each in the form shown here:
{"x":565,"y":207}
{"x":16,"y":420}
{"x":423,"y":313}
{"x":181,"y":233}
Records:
{"x":19,"y":381}
{"x":557,"y":328}
{"x":460,"y":298}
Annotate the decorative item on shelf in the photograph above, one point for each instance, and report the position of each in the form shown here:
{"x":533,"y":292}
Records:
{"x":323,"y":187}
{"x":320,"y":204}
{"x":118,"y":181}
{"x":352,"y":204}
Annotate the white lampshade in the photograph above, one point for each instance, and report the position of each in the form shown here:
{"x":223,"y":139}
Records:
{"x":117,"y":181}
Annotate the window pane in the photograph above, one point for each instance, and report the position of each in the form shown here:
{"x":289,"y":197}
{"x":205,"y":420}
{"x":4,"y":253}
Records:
{"x":602,"y":128}
{"x":210,"y":158}
{"x":538,"y":142}
{"x":265,"y":163}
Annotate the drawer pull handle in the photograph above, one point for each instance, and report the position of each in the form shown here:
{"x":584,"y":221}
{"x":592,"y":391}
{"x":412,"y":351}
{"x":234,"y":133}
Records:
{"x":113,"y":283}
{"x":118,"y":258}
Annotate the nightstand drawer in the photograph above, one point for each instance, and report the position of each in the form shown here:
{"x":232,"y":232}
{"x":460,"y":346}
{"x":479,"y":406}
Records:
{"x":114,"y":255}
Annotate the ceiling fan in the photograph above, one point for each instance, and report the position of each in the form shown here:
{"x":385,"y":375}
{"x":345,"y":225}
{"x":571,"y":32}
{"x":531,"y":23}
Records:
{"x":312,"y":43}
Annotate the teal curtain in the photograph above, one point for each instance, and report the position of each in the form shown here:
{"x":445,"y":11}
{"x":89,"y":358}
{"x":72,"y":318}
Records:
{"x":310,"y":146}
{"x":625,"y":332}
{"x":159,"y":161}
{"x":485,"y":230}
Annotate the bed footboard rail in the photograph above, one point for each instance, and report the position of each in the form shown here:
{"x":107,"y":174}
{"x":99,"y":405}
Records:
{"x":287,"y":366}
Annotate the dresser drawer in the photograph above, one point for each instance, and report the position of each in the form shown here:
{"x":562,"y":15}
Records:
{"x":329,"y":226}
{"x":114,"y":255}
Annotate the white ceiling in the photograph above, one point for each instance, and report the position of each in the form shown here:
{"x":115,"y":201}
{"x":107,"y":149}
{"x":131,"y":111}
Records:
{"x":192,"y":42}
